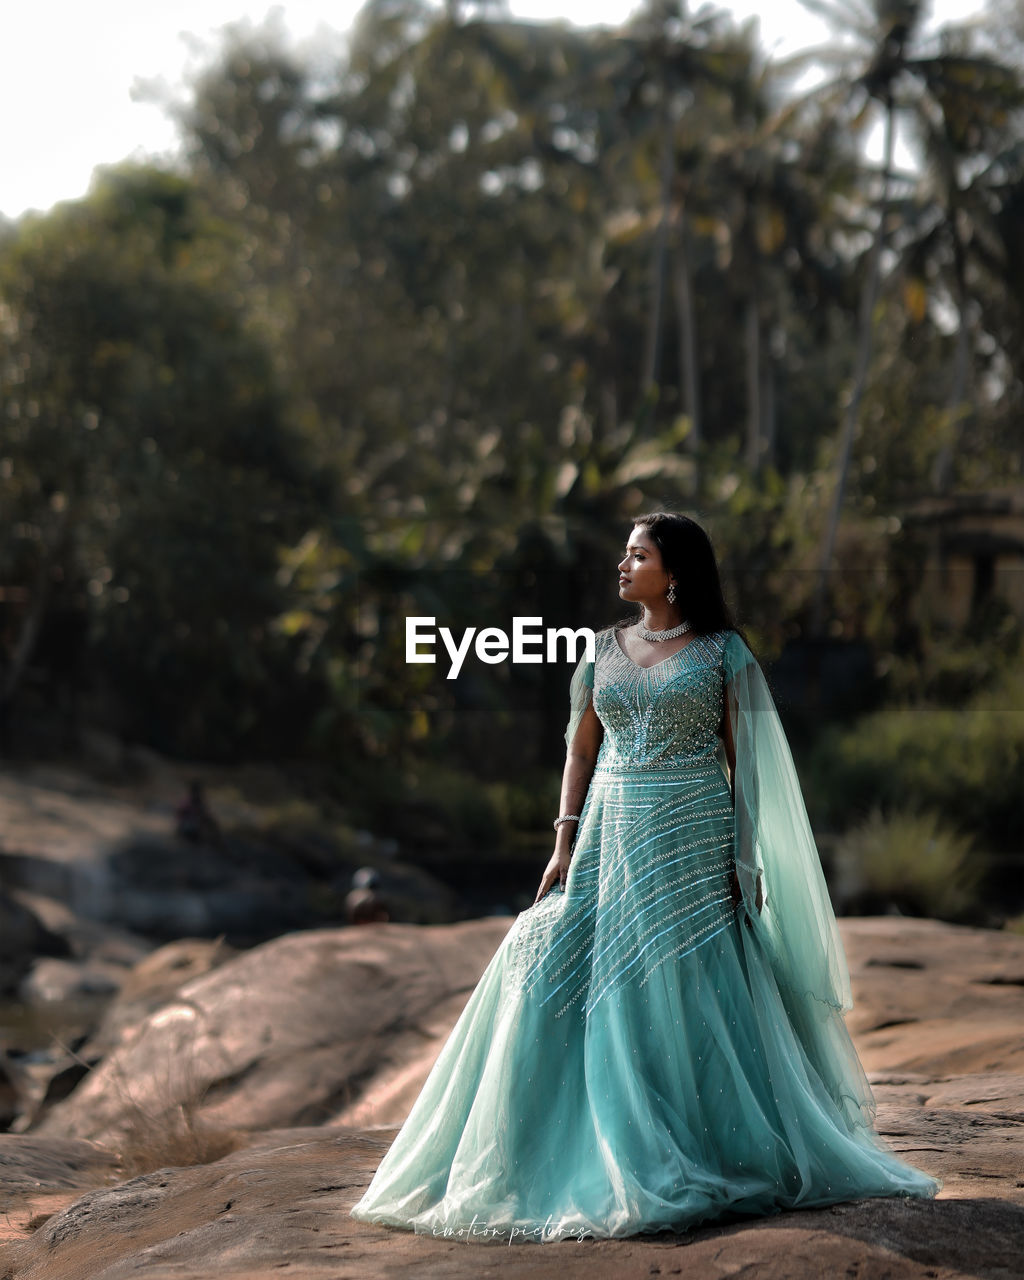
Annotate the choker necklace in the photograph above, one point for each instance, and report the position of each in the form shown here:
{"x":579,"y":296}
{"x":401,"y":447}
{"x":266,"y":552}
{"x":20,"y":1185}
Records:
{"x":663,"y":635}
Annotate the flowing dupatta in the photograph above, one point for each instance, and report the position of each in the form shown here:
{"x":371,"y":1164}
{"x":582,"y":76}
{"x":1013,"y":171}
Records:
{"x":795,"y":926}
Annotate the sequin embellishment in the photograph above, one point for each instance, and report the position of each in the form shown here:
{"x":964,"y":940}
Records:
{"x":650,"y":877}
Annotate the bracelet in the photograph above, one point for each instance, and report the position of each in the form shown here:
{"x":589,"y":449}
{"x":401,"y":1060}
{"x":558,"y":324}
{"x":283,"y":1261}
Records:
{"x":566,"y":817}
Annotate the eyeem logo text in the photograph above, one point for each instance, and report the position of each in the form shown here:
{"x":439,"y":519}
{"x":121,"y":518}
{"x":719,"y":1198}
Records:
{"x":492,"y":645}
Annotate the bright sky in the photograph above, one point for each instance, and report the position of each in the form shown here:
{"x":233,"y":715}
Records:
{"x":68,"y":67}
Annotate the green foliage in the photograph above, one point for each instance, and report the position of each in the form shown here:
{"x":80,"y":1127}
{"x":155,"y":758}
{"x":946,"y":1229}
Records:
{"x":423,"y":325}
{"x":955,"y":667}
{"x":963,"y":763}
{"x":913,"y":861}
{"x":525,"y":804}
{"x":148,"y":464}
{"x":434,"y":806}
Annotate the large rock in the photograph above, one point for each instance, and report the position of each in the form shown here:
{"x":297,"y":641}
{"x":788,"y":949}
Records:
{"x":96,"y":947}
{"x":11,"y":1091}
{"x":40,"y":1175}
{"x":51,"y":1075}
{"x":23,"y":939}
{"x":287,"y":1033}
{"x":52,"y":981}
{"x":151,"y":983}
{"x":281,"y":1207}
{"x":936,"y":998}
{"x":278,"y":1204}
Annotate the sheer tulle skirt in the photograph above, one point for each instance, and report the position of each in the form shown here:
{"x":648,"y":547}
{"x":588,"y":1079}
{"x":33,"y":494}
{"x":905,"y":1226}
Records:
{"x":627,"y":1062}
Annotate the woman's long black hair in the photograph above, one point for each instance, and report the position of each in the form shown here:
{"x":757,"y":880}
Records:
{"x":687,"y":553}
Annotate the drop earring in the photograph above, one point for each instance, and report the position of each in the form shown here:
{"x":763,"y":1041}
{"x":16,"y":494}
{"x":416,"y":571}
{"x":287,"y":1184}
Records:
{"x":671,"y":593}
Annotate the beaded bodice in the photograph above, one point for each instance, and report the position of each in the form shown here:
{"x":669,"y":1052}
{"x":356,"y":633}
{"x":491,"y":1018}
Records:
{"x":659,"y":717}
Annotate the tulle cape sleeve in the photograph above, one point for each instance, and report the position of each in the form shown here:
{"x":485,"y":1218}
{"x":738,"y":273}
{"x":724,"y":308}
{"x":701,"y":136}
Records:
{"x":773,"y":841}
{"x":795,"y":928}
{"x":581,"y":693}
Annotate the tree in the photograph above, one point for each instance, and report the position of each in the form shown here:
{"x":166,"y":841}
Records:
{"x":899,"y":75}
{"x":148,"y":467}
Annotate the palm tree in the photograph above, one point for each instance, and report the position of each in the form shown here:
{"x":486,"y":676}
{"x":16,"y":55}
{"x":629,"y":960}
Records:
{"x":970,"y":117}
{"x":887,"y":28}
{"x":900,"y":77}
{"x":678,"y":62}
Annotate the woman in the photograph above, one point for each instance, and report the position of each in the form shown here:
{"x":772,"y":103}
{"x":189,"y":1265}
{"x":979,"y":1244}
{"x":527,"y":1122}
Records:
{"x":659,"y":1042}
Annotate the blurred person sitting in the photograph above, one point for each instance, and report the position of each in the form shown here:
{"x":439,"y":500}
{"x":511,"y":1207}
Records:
{"x":363,"y":904}
{"x":194,"y":821}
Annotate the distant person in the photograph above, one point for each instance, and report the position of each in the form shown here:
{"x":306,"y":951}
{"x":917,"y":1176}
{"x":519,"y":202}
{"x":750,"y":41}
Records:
{"x":363,"y":903}
{"x":658,"y":1041}
{"x":194,"y":821}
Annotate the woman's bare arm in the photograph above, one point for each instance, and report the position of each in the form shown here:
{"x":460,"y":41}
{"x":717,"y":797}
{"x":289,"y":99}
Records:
{"x":579,"y":769}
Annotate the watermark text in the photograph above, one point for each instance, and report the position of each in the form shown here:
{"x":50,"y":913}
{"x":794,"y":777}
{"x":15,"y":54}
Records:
{"x":478,"y":1230}
{"x":493,"y":645}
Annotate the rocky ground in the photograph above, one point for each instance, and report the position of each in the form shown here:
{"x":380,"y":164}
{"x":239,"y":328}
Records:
{"x":214,"y":1109}
{"x":296,"y":1060}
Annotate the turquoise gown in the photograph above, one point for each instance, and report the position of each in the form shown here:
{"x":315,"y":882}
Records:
{"x":650,"y":1049}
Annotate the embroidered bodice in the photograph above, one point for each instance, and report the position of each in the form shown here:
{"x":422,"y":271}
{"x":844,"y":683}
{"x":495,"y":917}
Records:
{"x":664,"y":716}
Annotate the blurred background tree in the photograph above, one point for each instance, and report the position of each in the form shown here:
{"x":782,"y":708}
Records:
{"x":417,"y":330}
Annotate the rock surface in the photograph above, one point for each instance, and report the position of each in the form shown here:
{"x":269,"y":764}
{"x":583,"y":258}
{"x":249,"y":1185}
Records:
{"x":111,"y":856}
{"x":38,"y":1176}
{"x":23,"y":936}
{"x":288,"y":1033}
{"x":938,"y":1024}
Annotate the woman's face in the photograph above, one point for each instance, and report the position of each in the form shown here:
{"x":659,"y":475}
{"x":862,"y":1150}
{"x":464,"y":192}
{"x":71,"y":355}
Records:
{"x":642,"y":577}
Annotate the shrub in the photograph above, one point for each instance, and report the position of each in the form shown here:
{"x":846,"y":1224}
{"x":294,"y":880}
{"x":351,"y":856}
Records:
{"x":965,"y":764}
{"x":910,"y":861}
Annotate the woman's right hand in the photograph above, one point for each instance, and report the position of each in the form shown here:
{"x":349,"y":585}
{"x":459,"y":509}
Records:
{"x":557,"y":869}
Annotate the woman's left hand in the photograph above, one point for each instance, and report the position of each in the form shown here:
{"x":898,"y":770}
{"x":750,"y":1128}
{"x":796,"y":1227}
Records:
{"x":737,"y":892}
{"x":557,"y":869}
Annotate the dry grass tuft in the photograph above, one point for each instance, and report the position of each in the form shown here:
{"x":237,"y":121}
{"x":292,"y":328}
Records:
{"x":171,"y":1132}
{"x":174,"y":1137}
